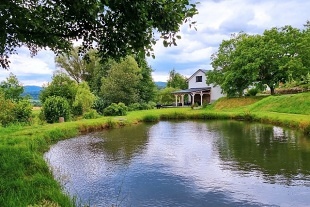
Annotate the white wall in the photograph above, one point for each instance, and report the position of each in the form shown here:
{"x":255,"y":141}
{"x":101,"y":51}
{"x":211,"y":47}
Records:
{"x":193,"y":84}
{"x":216,"y":92}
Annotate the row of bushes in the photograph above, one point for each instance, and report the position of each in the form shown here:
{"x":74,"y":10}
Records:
{"x":56,"y":106}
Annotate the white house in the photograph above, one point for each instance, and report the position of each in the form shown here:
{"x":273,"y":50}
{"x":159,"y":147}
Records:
{"x":198,"y":91}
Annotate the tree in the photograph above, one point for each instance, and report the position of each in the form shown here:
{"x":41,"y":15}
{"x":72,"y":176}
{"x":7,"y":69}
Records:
{"x":61,"y":86}
{"x":146,"y":87}
{"x":14,"y":108}
{"x":117,"y":27}
{"x":165,"y":96}
{"x":121,"y":83}
{"x":230,"y":65}
{"x":176,"y":80}
{"x":279,"y":55}
{"x":12,"y":88}
{"x":79,"y":68}
{"x":281,"y":58}
{"x":98,"y":72}
{"x":83,"y":98}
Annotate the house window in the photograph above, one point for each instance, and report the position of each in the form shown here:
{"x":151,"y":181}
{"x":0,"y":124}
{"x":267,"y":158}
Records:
{"x":198,"y":78}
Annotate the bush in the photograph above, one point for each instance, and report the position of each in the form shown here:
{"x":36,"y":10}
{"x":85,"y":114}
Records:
{"x":145,"y":106}
{"x":6,"y":108}
{"x":14,"y":112}
{"x":252,"y":92}
{"x":84,"y":99}
{"x":23,"y":111}
{"x":92,"y":114}
{"x":114,"y":109}
{"x":142,"y":106}
{"x":99,"y":105}
{"x":55,"y":107}
{"x":134,"y":107}
{"x":61,"y":86}
{"x":77,"y":109}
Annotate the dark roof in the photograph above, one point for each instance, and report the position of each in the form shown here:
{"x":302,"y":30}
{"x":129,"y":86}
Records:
{"x":191,"y":90}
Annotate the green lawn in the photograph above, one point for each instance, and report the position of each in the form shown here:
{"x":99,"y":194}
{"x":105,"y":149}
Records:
{"x":26,"y":180}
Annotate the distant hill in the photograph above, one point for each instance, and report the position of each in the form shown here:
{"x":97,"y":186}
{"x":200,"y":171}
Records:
{"x":33,"y":91}
{"x":160,"y":84}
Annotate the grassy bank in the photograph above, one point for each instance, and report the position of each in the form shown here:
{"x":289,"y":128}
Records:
{"x":26,"y":180}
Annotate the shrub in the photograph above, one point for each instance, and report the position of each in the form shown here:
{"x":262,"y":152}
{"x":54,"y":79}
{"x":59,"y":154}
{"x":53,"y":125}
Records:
{"x":92,"y":114}
{"x":145,"y":106}
{"x":151,"y":105}
{"x":142,"y":106}
{"x":134,"y":107}
{"x":99,"y":105}
{"x":61,"y":86}
{"x":22,"y":111}
{"x":84,"y":99}
{"x":6,"y":107}
{"x":252,"y":92}
{"x":14,"y":112}
{"x":77,"y":109}
{"x":114,"y":109}
{"x":55,"y":107}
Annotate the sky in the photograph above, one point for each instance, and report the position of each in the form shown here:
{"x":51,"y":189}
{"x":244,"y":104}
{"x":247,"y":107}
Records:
{"x":216,"y":21}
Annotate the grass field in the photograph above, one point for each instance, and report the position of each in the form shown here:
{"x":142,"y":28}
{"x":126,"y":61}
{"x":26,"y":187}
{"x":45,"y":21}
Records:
{"x":25,"y":179}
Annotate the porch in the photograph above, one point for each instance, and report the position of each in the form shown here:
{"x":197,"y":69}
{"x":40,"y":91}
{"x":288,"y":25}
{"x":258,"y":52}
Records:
{"x":193,"y":95}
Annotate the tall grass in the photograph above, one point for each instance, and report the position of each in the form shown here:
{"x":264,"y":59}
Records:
{"x":25,"y":178}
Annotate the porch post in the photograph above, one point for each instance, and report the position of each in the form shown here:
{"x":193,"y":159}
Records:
{"x":201,"y":94}
{"x":182,"y":99}
{"x":176,"y":100}
{"x":193,"y":98}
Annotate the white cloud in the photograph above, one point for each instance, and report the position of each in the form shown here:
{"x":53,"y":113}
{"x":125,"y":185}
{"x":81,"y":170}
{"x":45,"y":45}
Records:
{"x":31,"y":70}
{"x":160,"y":76}
{"x":216,"y":21}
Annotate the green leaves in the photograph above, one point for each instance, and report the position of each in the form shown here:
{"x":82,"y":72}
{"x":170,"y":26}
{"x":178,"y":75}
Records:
{"x":55,"y":107}
{"x":279,"y":55}
{"x":117,"y":27}
{"x":176,"y":80}
{"x":12,"y":88}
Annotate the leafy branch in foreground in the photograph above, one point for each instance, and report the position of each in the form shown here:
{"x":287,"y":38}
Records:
{"x":116,"y":27}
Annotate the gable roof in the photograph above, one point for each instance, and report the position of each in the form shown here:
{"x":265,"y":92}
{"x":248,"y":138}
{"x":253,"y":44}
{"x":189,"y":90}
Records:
{"x":199,"y":70}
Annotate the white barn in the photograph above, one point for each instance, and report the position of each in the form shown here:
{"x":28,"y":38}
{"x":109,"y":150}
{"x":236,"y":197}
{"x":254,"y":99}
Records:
{"x":198,"y":91}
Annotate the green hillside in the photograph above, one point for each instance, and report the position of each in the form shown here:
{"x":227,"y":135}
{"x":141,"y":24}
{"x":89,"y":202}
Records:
{"x":291,"y":104}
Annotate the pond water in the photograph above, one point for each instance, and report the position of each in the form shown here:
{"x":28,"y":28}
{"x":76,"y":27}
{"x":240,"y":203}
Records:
{"x":211,"y":163}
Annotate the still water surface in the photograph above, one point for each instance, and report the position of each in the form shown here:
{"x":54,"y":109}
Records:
{"x":213,"y":163}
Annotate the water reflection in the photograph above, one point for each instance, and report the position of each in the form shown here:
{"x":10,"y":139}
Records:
{"x":122,"y":145}
{"x":274,"y":151}
{"x":214,"y":163}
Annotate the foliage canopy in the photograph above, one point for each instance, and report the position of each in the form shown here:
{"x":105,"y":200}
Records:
{"x":277,"y":56}
{"x":122,"y":81}
{"x":116,"y":27}
{"x":12,"y":88}
{"x":61,"y":86}
{"x":176,"y":80}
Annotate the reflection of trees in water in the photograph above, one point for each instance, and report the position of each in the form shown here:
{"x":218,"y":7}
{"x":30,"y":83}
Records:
{"x":120,"y":145}
{"x":281,"y":155}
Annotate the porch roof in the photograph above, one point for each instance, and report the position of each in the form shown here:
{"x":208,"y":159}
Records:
{"x":192,"y":90}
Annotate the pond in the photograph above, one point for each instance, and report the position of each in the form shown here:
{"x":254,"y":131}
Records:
{"x":211,"y":163}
